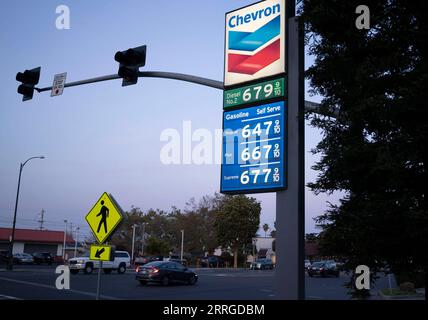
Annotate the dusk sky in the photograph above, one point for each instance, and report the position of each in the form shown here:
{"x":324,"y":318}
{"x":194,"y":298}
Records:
{"x":104,"y":137}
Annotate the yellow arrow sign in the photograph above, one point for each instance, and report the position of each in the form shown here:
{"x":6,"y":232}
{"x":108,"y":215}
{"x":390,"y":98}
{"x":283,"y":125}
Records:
{"x":104,"y":217}
{"x":100,"y":252}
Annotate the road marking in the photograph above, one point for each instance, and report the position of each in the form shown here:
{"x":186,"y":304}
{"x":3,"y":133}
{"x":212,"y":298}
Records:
{"x":5,"y":297}
{"x":52,"y":287}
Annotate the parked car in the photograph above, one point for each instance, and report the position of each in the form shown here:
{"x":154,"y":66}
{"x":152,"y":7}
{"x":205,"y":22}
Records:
{"x":122,"y":261}
{"x":43,"y":257}
{"x":23,"y":258}
{"x":307,"y":264}
{"x":139,"y":261}
{"x":261,"y":264}
{"x":165,"y":273}
{"x":212,"y":262}
{"x":182,"y":262}
{"x":4,"y":256}
{"x":323,"y":269}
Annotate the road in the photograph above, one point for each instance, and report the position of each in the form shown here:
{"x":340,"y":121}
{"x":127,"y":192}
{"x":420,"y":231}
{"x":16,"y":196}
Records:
{"x":38,"y":282}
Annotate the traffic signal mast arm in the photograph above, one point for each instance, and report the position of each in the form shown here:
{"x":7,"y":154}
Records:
{"x":309,"y":106}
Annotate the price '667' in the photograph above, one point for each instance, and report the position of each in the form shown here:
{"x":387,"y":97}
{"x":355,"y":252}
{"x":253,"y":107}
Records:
{"x":260,"y":152}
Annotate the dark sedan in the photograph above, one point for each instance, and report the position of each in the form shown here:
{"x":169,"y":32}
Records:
{"x":323,"y":269}
{"x":165,"y":272}
{"x":261,"y":264}
{"x":212,"y":262}
{"x":43,"y":257}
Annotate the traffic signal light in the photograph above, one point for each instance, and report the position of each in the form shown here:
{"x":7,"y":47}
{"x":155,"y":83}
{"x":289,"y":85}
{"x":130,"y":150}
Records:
{"x":130,"y":61}
{"x":29,"y":79}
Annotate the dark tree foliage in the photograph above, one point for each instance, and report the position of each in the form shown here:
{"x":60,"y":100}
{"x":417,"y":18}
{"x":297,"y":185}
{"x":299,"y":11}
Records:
{"x":376,"y":149}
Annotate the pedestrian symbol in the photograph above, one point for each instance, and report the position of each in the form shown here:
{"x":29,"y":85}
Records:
{"x":104,"y":214}
{"x":104,"y":217}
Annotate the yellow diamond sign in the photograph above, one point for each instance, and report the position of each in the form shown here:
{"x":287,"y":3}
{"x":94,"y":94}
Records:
{"x":100,"y":253}
{"x":104,"y":217}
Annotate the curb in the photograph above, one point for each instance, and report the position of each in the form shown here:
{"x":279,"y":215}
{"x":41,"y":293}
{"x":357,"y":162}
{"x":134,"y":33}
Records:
{"x":415,"y":296}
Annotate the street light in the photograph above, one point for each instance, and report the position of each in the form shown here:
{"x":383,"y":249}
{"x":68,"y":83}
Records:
{"x":21,"y":166}
{"x":182,"y":244}
{"x":143,"y":239}
{"x":133,"y":241}
{"x":75,"y":242}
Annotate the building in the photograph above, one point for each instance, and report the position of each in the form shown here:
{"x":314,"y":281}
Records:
{"x":30,"y":241}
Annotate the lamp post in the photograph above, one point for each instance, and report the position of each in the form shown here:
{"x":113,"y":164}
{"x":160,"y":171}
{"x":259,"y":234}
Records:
{"x":65,"y":235}
{"x":21,"y":166}
{"x":133,"y":242}
{"x":182,"y":246}
{"x":143,"y":239}
{"x":75,"y":241}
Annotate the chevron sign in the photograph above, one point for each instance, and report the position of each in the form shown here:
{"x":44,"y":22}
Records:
{"x":255,"y":42}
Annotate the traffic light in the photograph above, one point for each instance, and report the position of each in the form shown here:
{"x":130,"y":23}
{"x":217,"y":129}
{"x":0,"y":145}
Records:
{"x":29,"y":79}
{"x":130,"y":61}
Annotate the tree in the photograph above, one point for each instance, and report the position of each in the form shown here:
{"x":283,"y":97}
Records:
{"x":155,"y":246}
{"x":265,"y":228}
{"x":375,"y":148}
{"x":237,"y":220}
{"x":311,"y":237}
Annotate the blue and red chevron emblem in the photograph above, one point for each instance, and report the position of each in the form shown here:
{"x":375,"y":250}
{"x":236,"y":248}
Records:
{"x":249,"y":42}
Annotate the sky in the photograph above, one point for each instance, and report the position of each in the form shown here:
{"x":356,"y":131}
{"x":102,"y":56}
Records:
{"x":104,"y":137}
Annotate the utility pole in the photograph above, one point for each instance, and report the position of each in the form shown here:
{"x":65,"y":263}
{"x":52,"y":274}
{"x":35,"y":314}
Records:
{"x":143,"y":238}
{"x":41,"y":221}
{"x":65,"y":236}
{"x":182,"y":246}
{"x":133,"y":241}
{"x":75,"y":241}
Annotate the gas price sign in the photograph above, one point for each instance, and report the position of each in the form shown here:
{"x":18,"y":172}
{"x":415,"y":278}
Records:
{"x":253,"y":154}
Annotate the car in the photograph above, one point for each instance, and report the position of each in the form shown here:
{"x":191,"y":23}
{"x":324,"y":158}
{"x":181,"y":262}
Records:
{"x":261,"y":264}
{"x":23,"y":258}
{"x":4,"y":256}
{"x":307,"y":264}
{"x":165,"y":273}
{"x":43,"y":257}
{"x":122,"y":261}
{"x":139,"y":261}
{"x":323,"y":269}
{"x":182,"y":262}
{"x":212,"y":262}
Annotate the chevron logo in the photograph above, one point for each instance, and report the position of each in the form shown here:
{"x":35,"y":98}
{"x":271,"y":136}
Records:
{"x":254,"y":60}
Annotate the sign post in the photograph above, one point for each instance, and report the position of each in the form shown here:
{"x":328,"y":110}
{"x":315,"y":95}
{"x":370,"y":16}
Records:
{"x":103,"y":219}
{"x":263,"y":124}
{"x":290,"y":204}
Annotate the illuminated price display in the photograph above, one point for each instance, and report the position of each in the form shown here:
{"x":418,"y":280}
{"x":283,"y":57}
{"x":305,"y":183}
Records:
{"x":254,"y":93}
{"x":253,"y":149}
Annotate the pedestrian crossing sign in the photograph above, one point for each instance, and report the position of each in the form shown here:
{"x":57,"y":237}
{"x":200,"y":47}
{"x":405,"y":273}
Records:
{"x":104,"y":217}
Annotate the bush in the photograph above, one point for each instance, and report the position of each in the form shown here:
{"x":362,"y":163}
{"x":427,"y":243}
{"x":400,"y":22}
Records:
{"x":407,"y":287}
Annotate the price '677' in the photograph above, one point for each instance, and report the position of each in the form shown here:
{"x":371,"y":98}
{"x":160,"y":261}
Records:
{"x":252,"y":175}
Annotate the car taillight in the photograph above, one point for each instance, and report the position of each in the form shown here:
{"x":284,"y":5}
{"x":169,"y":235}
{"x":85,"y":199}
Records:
{"x":321,"y":269}
{"x":137,"y":269}
{"x":155,"y":270}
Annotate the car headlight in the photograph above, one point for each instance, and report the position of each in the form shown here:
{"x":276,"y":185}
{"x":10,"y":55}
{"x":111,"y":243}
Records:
{"x":80,"y":261}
